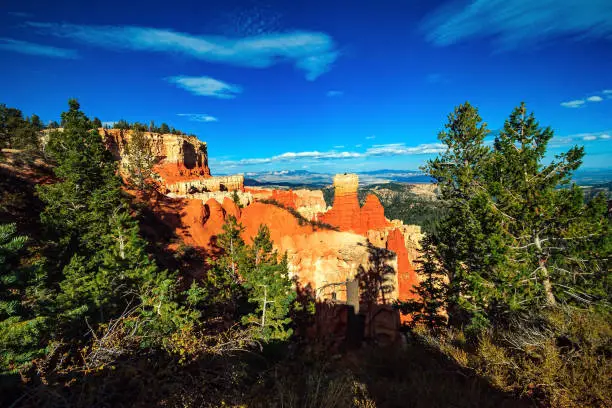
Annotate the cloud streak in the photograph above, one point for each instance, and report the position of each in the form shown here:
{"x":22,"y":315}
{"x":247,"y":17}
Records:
{"x":394,"y":149}
{"x":206,"y":86}
{"x":29,"y":48}
{"x":559,"y":141}
{"x":573,"y":104}
{"x":314,"y":53}
{"x":332,"y":94}
{"x":513,"y":23}
{"x":578,"y":103}
{"x":199,"y":117}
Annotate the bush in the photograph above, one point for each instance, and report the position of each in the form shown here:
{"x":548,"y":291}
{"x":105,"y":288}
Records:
{"x":559,"y":358}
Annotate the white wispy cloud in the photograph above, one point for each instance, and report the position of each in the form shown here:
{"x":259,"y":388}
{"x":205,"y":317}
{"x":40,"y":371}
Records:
{"x":25,"y":47}
{"x":199,"y":117}
{"x":370,"y":137}
{"x":399,"y":149}
{"x":331,"y":94}
{"x":394,"y":149}
{"x":109,"y":123}
{"x":513,"y":23}
{"x":559,"y":141}
{"x":206,"y":86}
{"x":339,"y":147}
{"x":573,"y":104}
{"x":577,"y":103}
{"x":311,"y":52}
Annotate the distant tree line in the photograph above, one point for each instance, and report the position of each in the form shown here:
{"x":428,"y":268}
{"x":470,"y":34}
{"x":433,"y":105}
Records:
{"x":151,"y":127}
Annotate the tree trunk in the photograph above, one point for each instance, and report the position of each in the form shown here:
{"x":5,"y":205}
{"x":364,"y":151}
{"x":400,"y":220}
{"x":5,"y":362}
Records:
{"x":548,"y":291}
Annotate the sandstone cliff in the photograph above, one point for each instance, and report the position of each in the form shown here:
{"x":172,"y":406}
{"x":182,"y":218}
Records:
{"x":179,"y":157}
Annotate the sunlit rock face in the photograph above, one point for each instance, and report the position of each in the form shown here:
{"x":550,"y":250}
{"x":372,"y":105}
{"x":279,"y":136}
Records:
{"x":370,"y":221}
{"x":179,"y":156}
{"x":345,"y":213}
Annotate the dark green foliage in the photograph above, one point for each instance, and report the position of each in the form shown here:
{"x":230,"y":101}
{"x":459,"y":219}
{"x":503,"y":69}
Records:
{"x":121,"y":124}
{"x":221,"y":286}
{"x":266,"y":279}
{"x":96,"y":123}
{"x":20,"y":328}
{"x":517,"y":236}
{"x":17,"y":132}
{"x":236,"y":199}
{"x":430,"y":302}
{"x":164,"y":129}
{"x":35,"y":122}
{"x":100,"y":262}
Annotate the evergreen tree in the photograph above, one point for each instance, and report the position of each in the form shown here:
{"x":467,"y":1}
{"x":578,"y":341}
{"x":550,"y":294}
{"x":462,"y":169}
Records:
{"x":36,"y":122}
{"x":101,"y":262}
{"x":121,"y":124}
{"x":557,"y":242}
{"x":20,"y":328}
{"x":236,"y":199}
{"x":140,"y":160}
{"x":164,"y":129}
{"x":266,"y":279}
{"x":223,"y":282}
{"x":375,"y":282}
{"x":517,"y":236}
{"x":468,"y":246}
{"x":96,"y":123}
{"x":429,"y":303}
{"x":15,"y":131}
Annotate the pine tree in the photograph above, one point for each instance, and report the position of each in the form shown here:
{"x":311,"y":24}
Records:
{"x":15,"y":131}
{"x":375,"y":282}
{"x":468,"y":247}
{"x":429,"y":304}
{"x":222,"y":283}
{"x":266,"y":278}
{"x":517,"y":235}
{"x":101,"y":263}
{"x":164,"y":129}
{"x":140,"y":160}
{"x":96,"y":123}
{"x":557,"y":242}
{"x":20,"y":329}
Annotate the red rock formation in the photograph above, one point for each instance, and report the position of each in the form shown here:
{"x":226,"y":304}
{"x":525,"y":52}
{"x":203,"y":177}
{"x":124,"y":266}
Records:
{"x":230,"y":208}
{"x":406,"y":276}
{"x":173,"y":173}
{"x":280,"y":221}
{"x":345,"y":213}
{"x":373,"y":214}
{"x":213,"y":224}
{"x":285,"y":197}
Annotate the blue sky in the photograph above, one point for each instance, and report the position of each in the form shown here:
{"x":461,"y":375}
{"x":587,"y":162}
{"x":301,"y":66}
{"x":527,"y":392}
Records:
{"x":316,"y":85}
